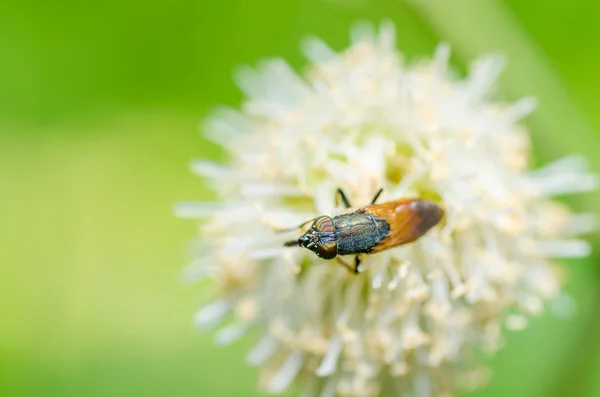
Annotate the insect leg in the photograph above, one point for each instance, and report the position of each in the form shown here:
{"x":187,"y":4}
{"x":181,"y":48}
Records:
{"x":376,"y":196}
{"x":357,"y":261}
{"x":342,"y":195}
{"x":347,"y":266}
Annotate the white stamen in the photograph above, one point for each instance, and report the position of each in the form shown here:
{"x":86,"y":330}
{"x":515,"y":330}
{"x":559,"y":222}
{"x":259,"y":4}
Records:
{"x":316,"y":50}
{"x":522,"y":108}
{"x":329,"y":389}
{"x":225,"y":125}
{"x":249,"y":81}
{"x":329,"y":363}
{"x":255,"y":190}
{"x":267,"y":253}
{"x":198,"y":270}
{"x":564,"y":248}
{"x":484,"y":73}
{"x":387,"y":35}
{"x":422,"y":386}
{"x":377,"y":281}
{"x":441,"y":58}
{"x":516,"y":322}
{"x":286,"y":374}
{"x":285,"y":86}
{"x":212,"y":170}
{"x":563,"y":306}
{"x":229,"y":334}
{"x":565,"y":165}
{"x":582,"y":224}
{"x":362,"y":31}
{"x":210,"y":315}
{"x":262,"y":351}
{"x":558,"y":184}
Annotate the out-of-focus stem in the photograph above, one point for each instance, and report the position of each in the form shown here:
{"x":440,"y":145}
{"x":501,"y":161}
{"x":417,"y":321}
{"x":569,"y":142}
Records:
{"x":574,"y":381}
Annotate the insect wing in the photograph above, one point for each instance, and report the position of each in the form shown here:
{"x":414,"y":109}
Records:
{"x":409,"y":219}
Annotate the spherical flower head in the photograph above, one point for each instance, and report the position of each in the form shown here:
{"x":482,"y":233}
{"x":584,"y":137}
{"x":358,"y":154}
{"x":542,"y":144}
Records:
{"x":362,"y":120}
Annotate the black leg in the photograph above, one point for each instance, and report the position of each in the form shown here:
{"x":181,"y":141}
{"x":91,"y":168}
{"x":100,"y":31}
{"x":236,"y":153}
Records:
{"x":352,"y":269}
{"x":376,"y":196}
{"x":344,"y":198}
{"x":356,"y":264}
{"x":343,"y":263}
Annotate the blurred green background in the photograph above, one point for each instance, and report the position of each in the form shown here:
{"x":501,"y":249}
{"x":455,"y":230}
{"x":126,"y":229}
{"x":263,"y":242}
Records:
{"x":99,"y":109}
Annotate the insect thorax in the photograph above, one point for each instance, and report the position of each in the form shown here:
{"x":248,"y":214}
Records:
{"x":359,"y":233}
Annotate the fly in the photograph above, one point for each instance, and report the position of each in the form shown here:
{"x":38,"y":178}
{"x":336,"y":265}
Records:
{"x":370,"y":229}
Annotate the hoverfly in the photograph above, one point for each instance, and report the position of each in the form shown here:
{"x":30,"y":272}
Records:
{"x":370,"y":229}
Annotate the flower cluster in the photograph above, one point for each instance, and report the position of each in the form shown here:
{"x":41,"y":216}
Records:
{"x":363,"y":120}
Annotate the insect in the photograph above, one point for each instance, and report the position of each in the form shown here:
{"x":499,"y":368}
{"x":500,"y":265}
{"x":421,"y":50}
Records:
{"x":370,"y":229}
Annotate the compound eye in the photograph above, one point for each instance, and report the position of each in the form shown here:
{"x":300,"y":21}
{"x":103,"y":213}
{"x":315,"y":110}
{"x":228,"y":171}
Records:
{"x":327,"y":251}
{"x":323,"y":224}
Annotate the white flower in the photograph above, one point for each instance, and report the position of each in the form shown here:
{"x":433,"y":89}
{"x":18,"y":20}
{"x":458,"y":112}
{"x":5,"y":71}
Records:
{"x":363,"y":120}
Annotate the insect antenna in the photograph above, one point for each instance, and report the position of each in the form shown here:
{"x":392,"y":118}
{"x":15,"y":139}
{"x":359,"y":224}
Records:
{"x":376,"y":196}
{"x":291,"y":243}
{"x":342,"y":196}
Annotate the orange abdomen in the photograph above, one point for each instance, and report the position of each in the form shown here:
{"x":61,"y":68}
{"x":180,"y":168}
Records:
{"x":409,"y":219}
